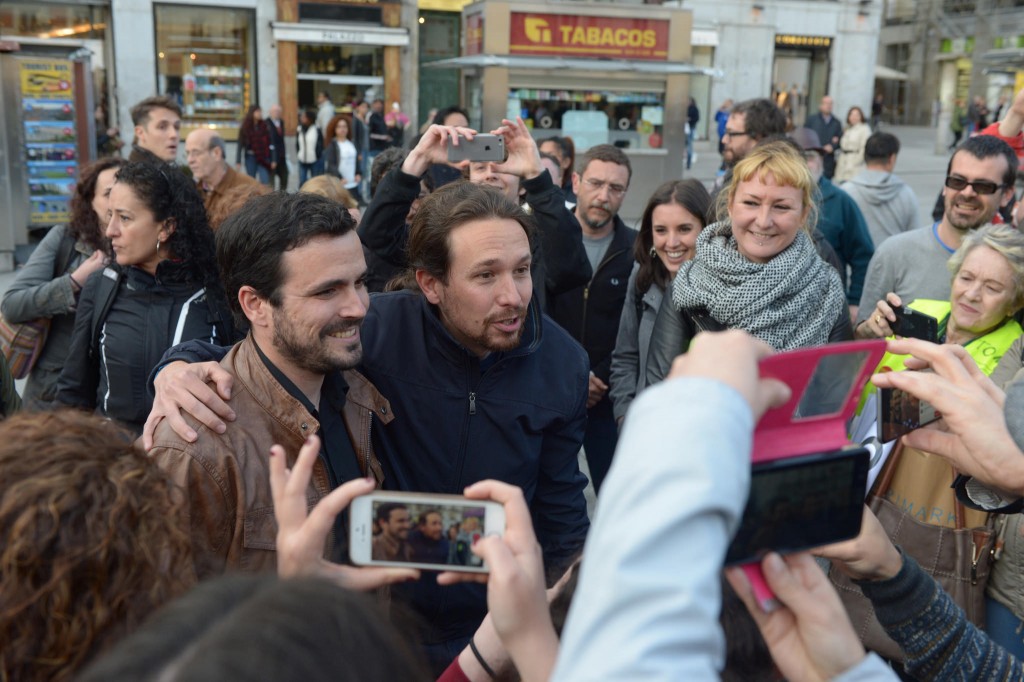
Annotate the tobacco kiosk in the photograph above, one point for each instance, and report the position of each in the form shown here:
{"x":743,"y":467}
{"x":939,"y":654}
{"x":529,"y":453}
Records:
{"x":594,"y":72}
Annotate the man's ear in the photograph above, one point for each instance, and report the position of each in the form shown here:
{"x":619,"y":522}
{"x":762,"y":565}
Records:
{"x":430,"y":286}
{"x":139,"y":131}
{"x":255,"y":307}
{"x":575,"y":183}
{"x":1008,"y":196}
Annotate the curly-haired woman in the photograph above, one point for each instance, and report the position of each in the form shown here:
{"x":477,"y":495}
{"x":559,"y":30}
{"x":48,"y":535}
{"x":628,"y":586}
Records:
{"x":92,"y":540}
{"x":49,"y":284}
{"x":163,"y":289}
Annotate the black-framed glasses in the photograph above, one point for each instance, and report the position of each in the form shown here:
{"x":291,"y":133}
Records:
{"x":734,"y":133}
{"x":979,"y":186}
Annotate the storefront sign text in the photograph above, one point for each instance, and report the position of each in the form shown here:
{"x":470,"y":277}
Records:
{"x":803,"y":41}
{"x":588,"y":36}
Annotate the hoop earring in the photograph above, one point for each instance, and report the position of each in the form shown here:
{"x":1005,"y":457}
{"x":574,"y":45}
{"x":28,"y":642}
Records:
{"x":158,"y":245}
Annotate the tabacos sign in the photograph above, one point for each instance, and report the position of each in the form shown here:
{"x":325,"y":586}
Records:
{"x":568,"y":35}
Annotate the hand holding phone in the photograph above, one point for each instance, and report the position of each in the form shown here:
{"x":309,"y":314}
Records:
{"x":301,"y":537}
{"x":900,"y":413}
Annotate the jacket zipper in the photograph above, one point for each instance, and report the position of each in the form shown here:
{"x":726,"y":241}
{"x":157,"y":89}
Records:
{"x":366,"y":451}
{"x":586,"y":294}
{"x":472,"y":402}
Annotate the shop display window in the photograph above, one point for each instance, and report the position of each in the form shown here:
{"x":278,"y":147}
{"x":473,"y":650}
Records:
{"x":206,"y":60}
{"x":45,"y":20}
{"x":630,"y":120}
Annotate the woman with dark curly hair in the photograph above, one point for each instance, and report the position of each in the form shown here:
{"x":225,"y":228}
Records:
{"x":49,"y":284}
{"x":255,"y":144}
{"x":164,"y":288}
{"x":92,"y":540}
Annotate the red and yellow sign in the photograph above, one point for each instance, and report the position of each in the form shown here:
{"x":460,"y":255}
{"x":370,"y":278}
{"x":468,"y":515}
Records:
{"x":567,"y":35}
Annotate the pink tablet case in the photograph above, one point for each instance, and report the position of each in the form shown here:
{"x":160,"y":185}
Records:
{"x":779,"y":436}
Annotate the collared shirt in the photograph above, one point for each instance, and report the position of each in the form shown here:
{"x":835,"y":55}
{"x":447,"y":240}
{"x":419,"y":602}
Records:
{"x":335,"y":445}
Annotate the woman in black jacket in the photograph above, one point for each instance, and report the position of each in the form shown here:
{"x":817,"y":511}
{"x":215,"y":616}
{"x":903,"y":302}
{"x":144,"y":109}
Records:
{"x":164,"y":288}
{"x":756,"y":269}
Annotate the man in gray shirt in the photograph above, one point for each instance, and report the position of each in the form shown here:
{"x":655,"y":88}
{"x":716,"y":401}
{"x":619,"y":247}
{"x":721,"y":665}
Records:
{"x":887,"y":203}
{"x":979,"y":180}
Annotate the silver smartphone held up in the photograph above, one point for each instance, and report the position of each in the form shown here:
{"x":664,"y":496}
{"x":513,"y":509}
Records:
{"x":421,"y":530}
{"x":483,"y":147}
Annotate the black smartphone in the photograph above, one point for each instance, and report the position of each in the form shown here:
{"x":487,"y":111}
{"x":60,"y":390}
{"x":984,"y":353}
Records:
{"x":900,"y":413}
{"x":483,"y":147}
{"x":915,"y":325}
{"x":799,"y":503}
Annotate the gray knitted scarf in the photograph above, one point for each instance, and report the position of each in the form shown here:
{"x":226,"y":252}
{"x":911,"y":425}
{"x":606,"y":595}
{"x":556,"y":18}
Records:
{"x":792,"y":301}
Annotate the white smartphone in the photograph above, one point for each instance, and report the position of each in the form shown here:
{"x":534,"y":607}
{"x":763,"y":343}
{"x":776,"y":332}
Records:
{"x":421,"y":530}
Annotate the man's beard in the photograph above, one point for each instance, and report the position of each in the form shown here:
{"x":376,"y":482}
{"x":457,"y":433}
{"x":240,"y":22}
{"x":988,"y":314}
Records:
{"x":597,"y":223}
{"x":315,"y":357}
{"x":984,"y":216}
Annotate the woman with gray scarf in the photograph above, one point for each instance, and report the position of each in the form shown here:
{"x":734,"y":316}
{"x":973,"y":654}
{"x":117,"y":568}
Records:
{"x":756,"y":269}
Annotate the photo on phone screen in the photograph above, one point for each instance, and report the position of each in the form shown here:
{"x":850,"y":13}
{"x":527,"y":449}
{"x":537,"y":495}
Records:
{"x":434,"y":532}
{"x":800,"y":503}
{"x":900,"y":413}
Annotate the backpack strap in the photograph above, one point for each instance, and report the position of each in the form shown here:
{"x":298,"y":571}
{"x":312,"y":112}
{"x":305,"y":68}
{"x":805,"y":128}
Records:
{"x":105,"y":294}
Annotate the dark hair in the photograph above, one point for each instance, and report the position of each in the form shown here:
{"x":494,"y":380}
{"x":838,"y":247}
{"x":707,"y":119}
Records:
{"x":329,"y":136}
{"x":445,"y":209}
{"x":248,"y":123}
{"x":310,"y":115}
{"x":170,"y":195}
{"x":986,"y":147}
{"x":384,"y":511}
{"x":608,"y":153}
{"x":762,"y":117}
{"x":425,"y":514}
{"x":880,"y":146}
{"x":442,"y":114}
{"x":141,"y":111}
{"x":85,"y":225}
{"x":691,"y":195}
{"x":382,"y":165}
{"x":248,"y":628}
{"x":252,"y":241}
{"x":858,"y":110}
{"x":568,"y":149}
{"x":326,"y":95}
{"x":93,"y":538}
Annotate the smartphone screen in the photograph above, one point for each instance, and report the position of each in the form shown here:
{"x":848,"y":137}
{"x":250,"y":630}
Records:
{"x":900,"y":413}
{"x":432,"y":532}
{"x":802,"y":502}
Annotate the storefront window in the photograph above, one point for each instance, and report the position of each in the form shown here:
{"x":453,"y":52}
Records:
{"x":38,"y":20}
{"x":206,"y":60}
{"x":631,"y":120}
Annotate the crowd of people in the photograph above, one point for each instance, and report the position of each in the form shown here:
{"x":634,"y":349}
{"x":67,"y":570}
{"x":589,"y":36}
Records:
{"x":227,"y":367}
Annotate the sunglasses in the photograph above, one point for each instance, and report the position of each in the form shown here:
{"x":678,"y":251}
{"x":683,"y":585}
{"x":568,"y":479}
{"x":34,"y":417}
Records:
{"x":979,"y":186}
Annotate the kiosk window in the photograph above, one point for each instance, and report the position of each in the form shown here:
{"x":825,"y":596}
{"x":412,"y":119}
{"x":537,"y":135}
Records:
{"x":630,"y":120}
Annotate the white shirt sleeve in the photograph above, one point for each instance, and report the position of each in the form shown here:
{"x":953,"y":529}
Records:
{"x":649,"y":595}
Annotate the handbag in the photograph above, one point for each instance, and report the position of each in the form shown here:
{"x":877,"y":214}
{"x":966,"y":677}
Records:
{"x":22,"y":344}
{"x":959,"y":558}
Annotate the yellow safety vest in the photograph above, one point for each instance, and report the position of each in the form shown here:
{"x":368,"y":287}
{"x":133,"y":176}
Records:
{"x":986,"y":350}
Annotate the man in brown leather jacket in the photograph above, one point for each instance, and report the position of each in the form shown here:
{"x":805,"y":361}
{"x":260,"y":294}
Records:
{"x":292,"y":265}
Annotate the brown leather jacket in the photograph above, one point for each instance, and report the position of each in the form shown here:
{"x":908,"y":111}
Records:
{"x":226,"y":478}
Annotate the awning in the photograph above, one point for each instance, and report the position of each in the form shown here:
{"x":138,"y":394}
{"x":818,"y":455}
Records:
{"x":339,"y":34}
{"x":1011,"y":57}
{"x":575,"y":64}
{"x":884,"y":73}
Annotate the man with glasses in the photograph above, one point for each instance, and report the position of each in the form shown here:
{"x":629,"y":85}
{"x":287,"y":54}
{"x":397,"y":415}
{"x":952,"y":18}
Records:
{"x":591,"y":312}
{"x":215,"y":179}
{"x":979,"y":180}
{"x":749,"y":122}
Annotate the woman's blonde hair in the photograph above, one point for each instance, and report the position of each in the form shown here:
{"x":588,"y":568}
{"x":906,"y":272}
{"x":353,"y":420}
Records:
{"x":782,"y":160}
{"x":1004,"y":240}
{"x":332,"y":188}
